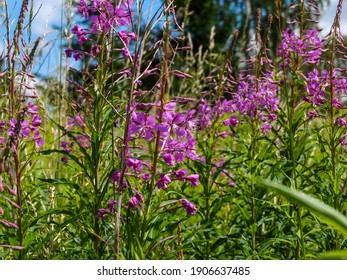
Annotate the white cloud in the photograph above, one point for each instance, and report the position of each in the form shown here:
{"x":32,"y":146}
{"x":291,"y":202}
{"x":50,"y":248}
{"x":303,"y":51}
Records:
{"x":328,"y":16}
{"x":49,"y":13}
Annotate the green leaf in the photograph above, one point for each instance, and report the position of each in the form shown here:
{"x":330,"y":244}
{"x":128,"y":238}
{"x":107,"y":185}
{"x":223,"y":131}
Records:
{"x":327,"y":213}
{"x":334,"y":255}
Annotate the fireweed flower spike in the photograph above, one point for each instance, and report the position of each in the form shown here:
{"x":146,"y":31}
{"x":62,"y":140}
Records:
{"x":256,"y":98}
{"x":296,"y":50}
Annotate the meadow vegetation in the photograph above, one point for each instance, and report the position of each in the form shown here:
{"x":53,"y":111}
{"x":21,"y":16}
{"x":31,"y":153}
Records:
{"x":152,"y":148}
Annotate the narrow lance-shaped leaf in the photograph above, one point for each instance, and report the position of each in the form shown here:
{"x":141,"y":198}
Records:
{"x":327,"y":213}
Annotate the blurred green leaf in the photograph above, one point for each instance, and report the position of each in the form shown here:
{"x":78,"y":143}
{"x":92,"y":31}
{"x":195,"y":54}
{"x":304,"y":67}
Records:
{"x":333,"y":255}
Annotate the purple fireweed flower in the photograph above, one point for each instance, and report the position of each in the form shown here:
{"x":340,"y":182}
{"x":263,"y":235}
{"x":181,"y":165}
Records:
{"x":13,"y":123}
{"x":164,"y":129}
{"x":64,"y":144}
{"x":36,"y":120}
{"x":223,"y":134}
{"x":265,"y":128}
{"x":77,"y":30}
{"x":125,"y":52}
{"x":83,"y":9}
{"x":84,"y":141}
{"x":163,"y":181}
{"x":102,"y":4}
{"x":204,"y":115}
{"x":190,"y":208}
{"x":82,"y":39}
{"x":132,"y":36}
{"x":180,"y":174}
{"x":69,"y":52}
{"x":233,"y":121}
{"x":220,"y":162}
{"x":64,"y":159}
{"x":102,"y":213}
{"x":193,"y":179}
{"x":139,"y":197}
{"x":77,"y":56}
{"x":179,"y":157}
{"x":24,"y":128}
{"x":255,"y":98}
{"x":341,"y":122}
{"x":295,"y":49}
{"x":336,"y":103}
{"x":32,"y":108}
{"x":134,"y":164}
{"x":110,"y":205}
{"x":142,"y":124}
{"x":100,"y":23}
{"x":95,"y":50}
{"x":169,"y":159}
{"x":67,"y":146}
{"x":315,"y":88}
{"x":38,"y":139}
{"x":77,"y":121}
{"x":123,"y":35}
{"x":115,"y":176}
{"x":1,"y":211}
{"x":146,"y":176}
{"x":312,"y":114}
{"x":133,"y":201}
{"x":272,"y":117}
{"x":314,"y":53}
{"x":226,"y":122}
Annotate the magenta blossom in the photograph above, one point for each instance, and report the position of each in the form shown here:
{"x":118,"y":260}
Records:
{"x":180,"y":174}
{"x":163,"y":181}
{"x":110,"y":205}
{"x":193,"y":179}
{"x":102,"y":213}
{"x":190,"y":208}
{"x":133,"y":201}
{"x":115,"y":176}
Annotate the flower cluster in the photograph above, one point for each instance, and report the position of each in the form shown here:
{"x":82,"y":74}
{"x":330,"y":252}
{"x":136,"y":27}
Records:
{"x":317,"y":86}
{"x":176,"y":137}
{"x":103,"y":16}
{"x":25,"y":126}
{"x":295,"y":50}
{"x":256,"y":98}
{"x":176,"y":143}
